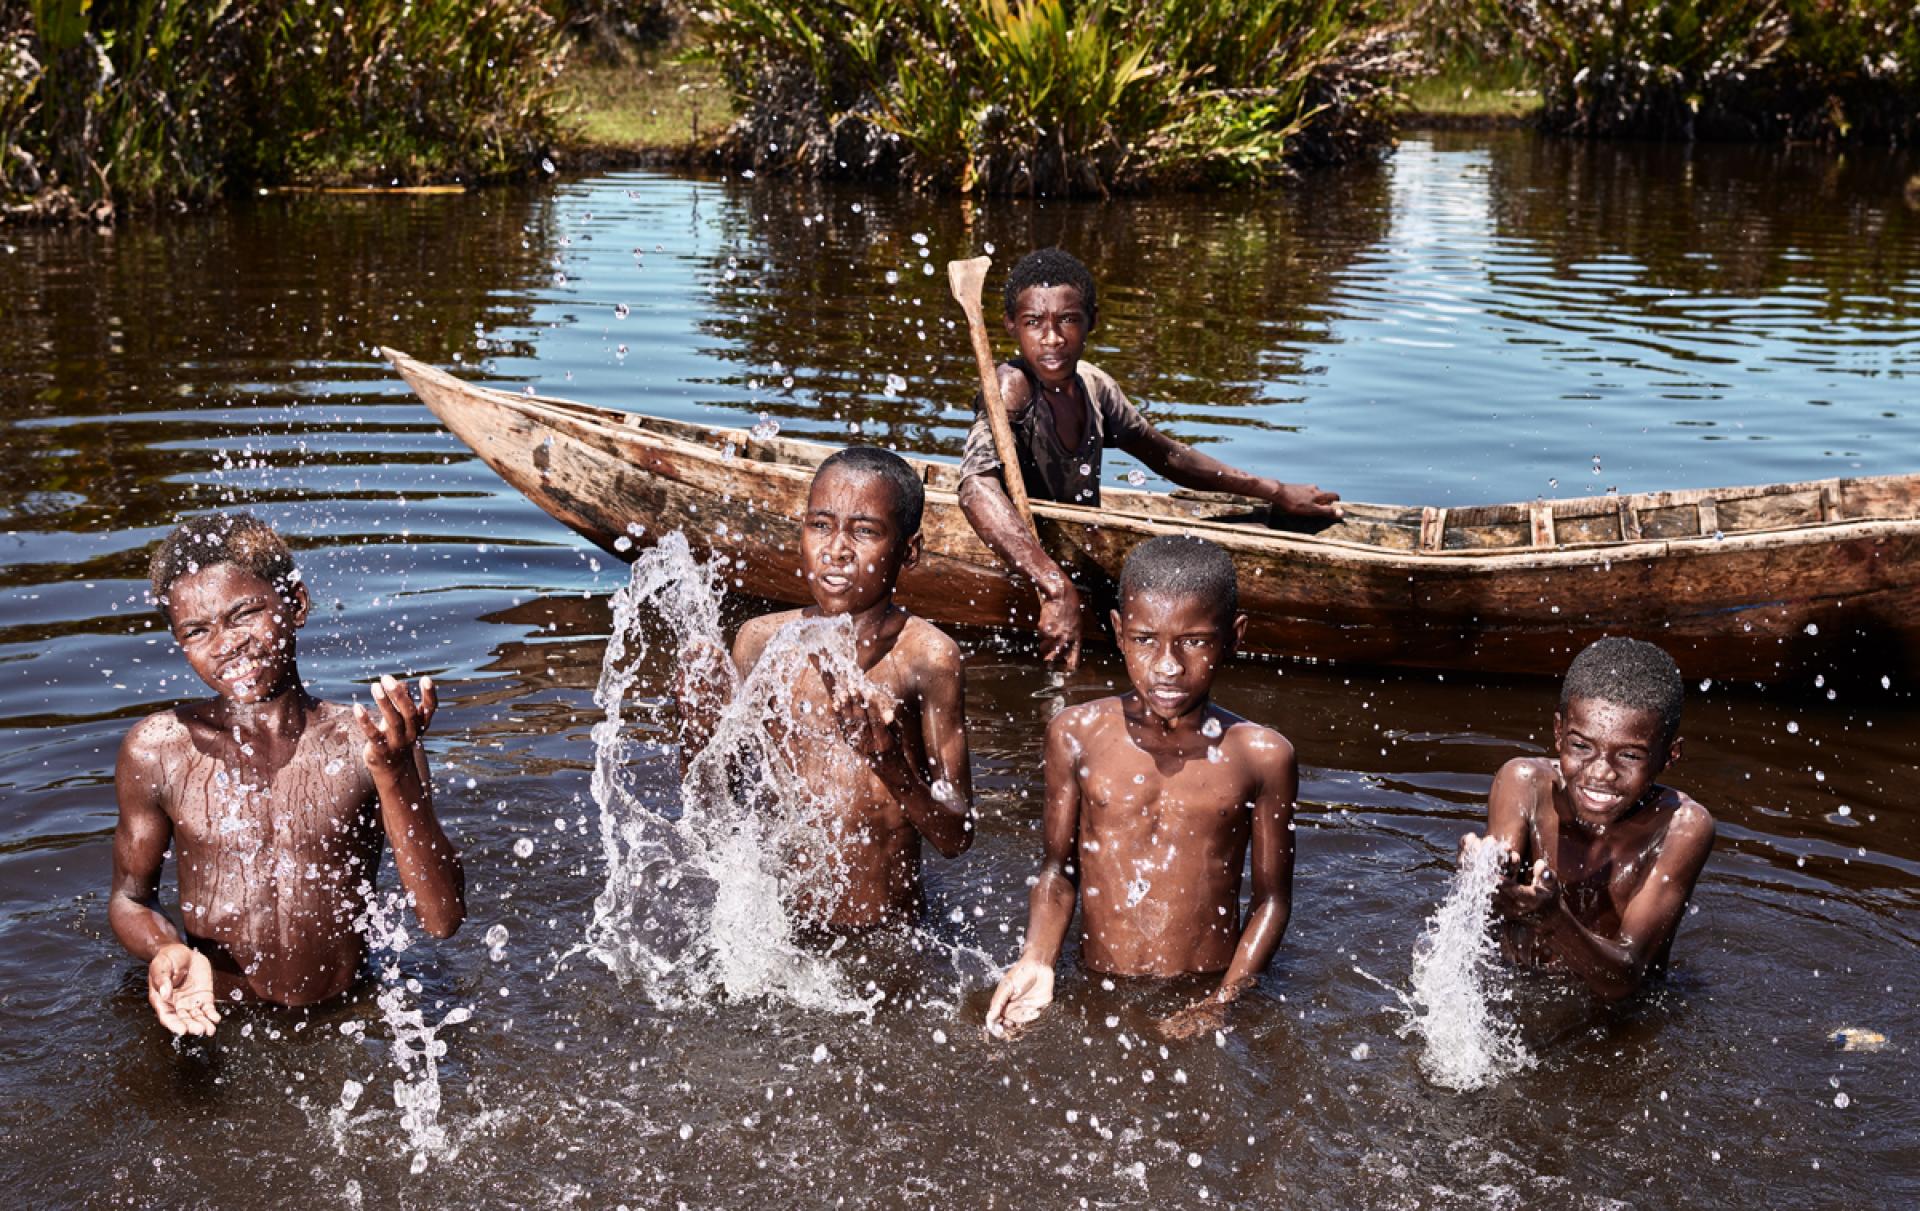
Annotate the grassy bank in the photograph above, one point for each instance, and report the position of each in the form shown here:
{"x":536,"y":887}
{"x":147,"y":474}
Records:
{"x":110,"y":105}
{"x":1828,"y":70}
{"x":659,"y":109}
{"x":1053,"y":97}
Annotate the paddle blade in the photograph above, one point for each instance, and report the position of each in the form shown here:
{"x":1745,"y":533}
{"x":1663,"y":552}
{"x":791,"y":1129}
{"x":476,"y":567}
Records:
{"x":967,"y":279}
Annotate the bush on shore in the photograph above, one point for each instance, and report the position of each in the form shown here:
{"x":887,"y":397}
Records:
{"x":120,"y":104}
{"x":1056,"y":96}
{"x":1797,"y":69}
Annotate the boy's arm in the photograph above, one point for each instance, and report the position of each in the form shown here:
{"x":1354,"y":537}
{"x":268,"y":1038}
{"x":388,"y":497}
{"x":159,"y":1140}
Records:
{"x":946,"y":817}
{"x":1614,"y":968}
{"x":428,"y":865}
{"x":1027,"y":988}
{"x":983,"y":498}
{"x":1271,"y":905}
{"x":180,"y":984}
{"x":704,"y":679}
{"x":1190,"y":468}
{"x":1517,"y":789}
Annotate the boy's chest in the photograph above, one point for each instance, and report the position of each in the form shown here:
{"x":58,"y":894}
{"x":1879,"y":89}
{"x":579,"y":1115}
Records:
{"x":1600,"y":875}
{"x":1133,"y":793}
{"x":313,"y":809}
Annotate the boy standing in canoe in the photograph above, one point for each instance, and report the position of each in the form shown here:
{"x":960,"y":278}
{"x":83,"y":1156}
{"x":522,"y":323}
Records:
{"x":1063,"y":413}
{"x":274,"y":802}
{"x":887,"y":761}
{"x":1153,"y":800}
{"x":1601,"y":858}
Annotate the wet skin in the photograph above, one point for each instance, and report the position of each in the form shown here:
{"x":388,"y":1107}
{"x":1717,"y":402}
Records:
{"x":1051,"y":325}
{"x":874,"y":757}
{"x":276,"y":805}
{"x":1152,"y":818}
{"x":1602,"y":859}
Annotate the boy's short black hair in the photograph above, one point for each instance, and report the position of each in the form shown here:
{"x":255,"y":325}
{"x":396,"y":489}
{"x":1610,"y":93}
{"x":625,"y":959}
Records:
{"x":1050,"y":267}
{"x":240,"y":539}
{"x":909,"y":494}
{"x":1633,"y":674}
{"x":1183,"y":564}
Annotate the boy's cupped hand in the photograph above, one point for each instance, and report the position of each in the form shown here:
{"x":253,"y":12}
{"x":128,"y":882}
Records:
{"x":180,"y":989}
{"x":396,"y":723}
{"x":1022,"y":994}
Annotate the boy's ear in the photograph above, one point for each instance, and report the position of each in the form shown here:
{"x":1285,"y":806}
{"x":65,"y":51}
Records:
{"x":299,"y":603}
{"x":1673,"y":753}
{"x":910,"y":550}
{"x":1113,"y":616}
{"x":1559,"y":727}
{"x":1237,"y":633}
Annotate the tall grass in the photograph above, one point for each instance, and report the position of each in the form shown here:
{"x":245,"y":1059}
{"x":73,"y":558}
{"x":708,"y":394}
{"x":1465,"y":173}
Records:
{"x":1057,"y":96}
{"x":117,"y":103}
{"x":1734,"y":68}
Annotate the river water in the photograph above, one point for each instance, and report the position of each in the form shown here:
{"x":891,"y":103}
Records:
{"x":1480,"y":318}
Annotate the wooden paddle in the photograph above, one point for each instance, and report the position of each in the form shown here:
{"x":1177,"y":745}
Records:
{"x":967,"y":277}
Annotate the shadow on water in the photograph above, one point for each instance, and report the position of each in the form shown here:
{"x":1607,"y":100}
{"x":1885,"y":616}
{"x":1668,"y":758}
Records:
{"x":1476,"y":319}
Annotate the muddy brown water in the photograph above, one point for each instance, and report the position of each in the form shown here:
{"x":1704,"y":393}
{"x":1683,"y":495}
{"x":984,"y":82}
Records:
{"x":1480,"y":318}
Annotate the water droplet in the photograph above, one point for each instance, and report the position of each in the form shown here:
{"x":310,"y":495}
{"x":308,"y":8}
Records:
{"x":1136,"y":477}
{"x":620,"y":311}
{"x":1813,"y":628}
{"x":920,"y":238}
{"x":895,"y":384}
{"x":766,"y":428}
{"x":1596,"y":464}
{"x":1841,"y":1101}
{"x":1793,"y":728}
{"x":523,"y":848}
{"x":893,"y":277}
{"x":623,"y":543}
{"x":1086,"y":469}
{"x":1214,"y":755}
{"x":546,"y":166}
{"x":1360,"y":1051}
{"x":1211,"y":729}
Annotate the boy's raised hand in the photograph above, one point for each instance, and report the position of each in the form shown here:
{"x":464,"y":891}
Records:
{"x":399,"y":724}
{"x":1022,"y":993}
{"x":180,"y":989}
{"x":1534,"y":899}
{"x":868,"y":721}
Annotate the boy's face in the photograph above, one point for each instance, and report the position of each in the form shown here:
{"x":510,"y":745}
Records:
{"x":1051,"y":324}
{"x":1609,"y":755}
{"x":1173,"y":644}
{"x":236,"y":630}
{"x":851,"y":548}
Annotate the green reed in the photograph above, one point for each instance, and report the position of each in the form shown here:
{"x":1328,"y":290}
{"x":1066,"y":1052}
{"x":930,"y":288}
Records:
{"x":1057,"y":96}
{"x":119,"y":103}
{"x":1739,"y":68}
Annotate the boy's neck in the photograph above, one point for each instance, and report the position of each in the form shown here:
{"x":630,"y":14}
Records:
{"x":282,"y":713}
{"x":1189,"y":723}
{"x":872,"y":628}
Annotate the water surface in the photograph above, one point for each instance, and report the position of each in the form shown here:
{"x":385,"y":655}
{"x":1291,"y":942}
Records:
{"x":1481,"y":318}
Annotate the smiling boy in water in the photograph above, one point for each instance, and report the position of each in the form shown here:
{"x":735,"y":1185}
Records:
{"x":1601,"y":858}
{"x":1064,"y":412}
{"x":889,"y":760}
{"x":274,"y":802}
{"x":1153,"y":799}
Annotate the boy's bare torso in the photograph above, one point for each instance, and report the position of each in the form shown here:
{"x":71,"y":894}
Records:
{"x":274,"y":835}
{"x":1162,"y":839}
{"x":877,"y":848}
{"x":1599,"y":872}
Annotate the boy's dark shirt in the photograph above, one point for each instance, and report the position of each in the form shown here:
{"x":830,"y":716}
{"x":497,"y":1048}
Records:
{"x":1050,"y":469}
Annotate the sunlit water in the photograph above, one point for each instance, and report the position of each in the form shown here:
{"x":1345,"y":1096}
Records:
{"x":1477,"y":320}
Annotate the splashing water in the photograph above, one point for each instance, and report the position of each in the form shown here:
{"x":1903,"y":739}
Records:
{"x":716,"y":899}
{"x":417,"y":1049}
{"x":1466,"y":1048}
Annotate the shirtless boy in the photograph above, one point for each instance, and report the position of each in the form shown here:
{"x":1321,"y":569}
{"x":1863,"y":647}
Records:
{"x":1600,"y":857}
{"x":274,"y":802}
{"x":1064,"y":412}
{"x":1152,"y":800}
{"x":891,"y":762}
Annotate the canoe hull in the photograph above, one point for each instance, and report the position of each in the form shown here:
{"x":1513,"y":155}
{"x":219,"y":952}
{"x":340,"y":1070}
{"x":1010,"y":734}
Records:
{"x":1767,"y":606}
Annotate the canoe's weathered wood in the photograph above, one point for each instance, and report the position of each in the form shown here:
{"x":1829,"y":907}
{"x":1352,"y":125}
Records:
{"x":1760,"y":582}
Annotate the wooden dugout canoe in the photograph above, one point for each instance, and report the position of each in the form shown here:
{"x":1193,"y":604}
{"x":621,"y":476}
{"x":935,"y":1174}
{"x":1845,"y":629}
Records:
{"x":1765,"y":583}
